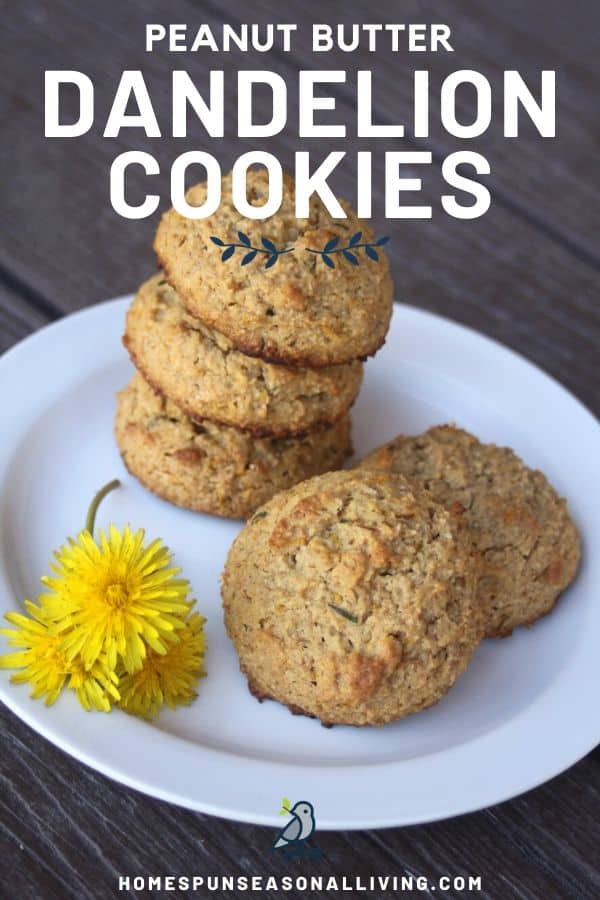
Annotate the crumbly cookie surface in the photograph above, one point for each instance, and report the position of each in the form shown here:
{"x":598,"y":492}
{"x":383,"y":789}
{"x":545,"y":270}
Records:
{"x":215,"y":468}
{"x":199,"y":370}
{"x":299,"y":311}
{"x":529,"y":545}
{"x":350,"y":598}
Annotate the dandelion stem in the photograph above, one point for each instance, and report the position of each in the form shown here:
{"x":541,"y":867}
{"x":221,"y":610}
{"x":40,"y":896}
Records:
{"x":90,"y":520}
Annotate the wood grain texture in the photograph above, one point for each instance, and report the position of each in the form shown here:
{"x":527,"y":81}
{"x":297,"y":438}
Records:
{"x":18,"y":316}
{"x":69,"y":832}
{"x":490,"y":38}
{"x":526,"y":274}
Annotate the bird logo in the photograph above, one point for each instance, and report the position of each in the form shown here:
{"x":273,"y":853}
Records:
{"x":300,"y":827}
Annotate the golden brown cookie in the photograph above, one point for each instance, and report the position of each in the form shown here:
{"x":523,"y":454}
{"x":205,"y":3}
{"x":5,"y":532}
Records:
{"x":350,"y":597}
{"x":529,"y":545}
{"x":200,"y":370}
{"x":298,"y":311}
{"x":214,"y":468}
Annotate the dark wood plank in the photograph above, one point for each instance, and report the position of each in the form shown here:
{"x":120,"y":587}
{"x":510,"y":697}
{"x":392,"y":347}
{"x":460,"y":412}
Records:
{"x":72,"y":832}
{"x":18,"y":317}
{"x":69,"y":832}
{"x":553,"y":182}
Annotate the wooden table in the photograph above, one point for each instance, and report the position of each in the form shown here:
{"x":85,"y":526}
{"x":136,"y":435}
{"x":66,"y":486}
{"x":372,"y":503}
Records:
{"x":526,"y":273}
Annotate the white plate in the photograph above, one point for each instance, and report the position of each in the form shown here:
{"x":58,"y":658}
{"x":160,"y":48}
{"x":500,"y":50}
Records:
{"x":524,"y":710}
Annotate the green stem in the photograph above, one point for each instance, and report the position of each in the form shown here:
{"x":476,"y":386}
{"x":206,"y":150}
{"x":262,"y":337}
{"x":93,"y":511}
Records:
{"x":90,"y":519}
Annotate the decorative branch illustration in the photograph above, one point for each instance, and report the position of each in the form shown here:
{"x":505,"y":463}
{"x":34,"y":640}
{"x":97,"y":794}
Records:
{"x":268,"y":249}
{"x":349,"y":251}
{"x":353,"y":244}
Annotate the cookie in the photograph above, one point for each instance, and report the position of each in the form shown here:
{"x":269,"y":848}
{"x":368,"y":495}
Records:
{"x":350,"y":597}
{"x":529,"y":544}
{"x":199,"y":370}
{"x":214,"y":468}
{"x":298,"y":311}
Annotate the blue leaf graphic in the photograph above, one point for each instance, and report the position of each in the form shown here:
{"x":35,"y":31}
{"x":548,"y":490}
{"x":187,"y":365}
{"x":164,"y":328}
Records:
{"x":269,"y":245}
{"x":271,"y":261}
{"x":350,"y":257}
{"x":217,"y":241}
{"x":244,"y":238}
{"x":330,"y":245}
{"x":227,"y":254}
{"x":328,"y":260}
{"x":383,"y":241}
{"x":249,"y":257}
{"x":355,"y":238}
{"x":371,"y":253}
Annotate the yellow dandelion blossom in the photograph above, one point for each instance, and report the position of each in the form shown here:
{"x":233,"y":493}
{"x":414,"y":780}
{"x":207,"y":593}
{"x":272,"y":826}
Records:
{"x":44,"y":665}
{"x":114,"y":606}
{"x":114,"y":597}
{"x":167,"y":679}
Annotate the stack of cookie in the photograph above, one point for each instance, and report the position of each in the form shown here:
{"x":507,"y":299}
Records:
{"x":249,"y":348}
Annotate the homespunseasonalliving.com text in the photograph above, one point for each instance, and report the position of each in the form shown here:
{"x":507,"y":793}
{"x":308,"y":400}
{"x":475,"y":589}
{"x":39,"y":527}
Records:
{"x":394,"y":884}
{"x":317,"y":95}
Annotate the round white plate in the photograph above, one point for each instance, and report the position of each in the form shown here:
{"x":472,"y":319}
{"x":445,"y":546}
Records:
{"x":525,"y":709}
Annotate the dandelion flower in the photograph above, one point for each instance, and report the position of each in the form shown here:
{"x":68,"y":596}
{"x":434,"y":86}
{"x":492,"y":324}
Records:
{"x":113,"y":607}
{"x":45,"y":666}
{"x":96,"y":688}
{"x":115,"y":597}
{"x":168,"y":678}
